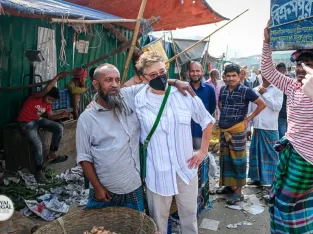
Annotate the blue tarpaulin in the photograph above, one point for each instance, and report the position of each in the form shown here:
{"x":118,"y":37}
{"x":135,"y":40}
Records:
{"x":56,"y":8}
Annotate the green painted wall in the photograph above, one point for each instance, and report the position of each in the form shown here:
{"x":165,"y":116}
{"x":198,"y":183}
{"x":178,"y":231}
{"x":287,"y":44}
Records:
{"x":18,"y":34}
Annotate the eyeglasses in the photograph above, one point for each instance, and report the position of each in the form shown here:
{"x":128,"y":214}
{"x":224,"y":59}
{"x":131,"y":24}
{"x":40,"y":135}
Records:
{"x":154,"y":75}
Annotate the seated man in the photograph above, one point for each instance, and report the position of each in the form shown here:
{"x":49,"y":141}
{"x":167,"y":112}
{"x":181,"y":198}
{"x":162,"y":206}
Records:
{"x":76,"y":87}
{"x":30,"y":120}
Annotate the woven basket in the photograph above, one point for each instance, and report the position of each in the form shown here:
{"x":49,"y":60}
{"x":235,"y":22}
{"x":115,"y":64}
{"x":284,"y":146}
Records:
{"x":115,"y":219}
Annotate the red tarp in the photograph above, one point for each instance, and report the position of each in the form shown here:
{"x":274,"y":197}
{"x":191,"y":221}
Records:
{"x":174,"y":13}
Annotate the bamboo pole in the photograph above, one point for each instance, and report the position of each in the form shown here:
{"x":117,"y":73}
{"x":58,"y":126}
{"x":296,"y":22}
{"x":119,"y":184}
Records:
{"x":192,"y":46}
{"x":135,"y":35}
{"x":175,"y":52}
{"x":82,"y":21}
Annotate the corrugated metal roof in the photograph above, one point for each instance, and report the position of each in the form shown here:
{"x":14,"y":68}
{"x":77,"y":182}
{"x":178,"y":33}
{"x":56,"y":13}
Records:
{"x":55,"y":8}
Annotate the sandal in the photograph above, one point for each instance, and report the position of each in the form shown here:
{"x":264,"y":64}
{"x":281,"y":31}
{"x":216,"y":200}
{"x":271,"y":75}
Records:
{"x":235,"y":199}
{"x":59,"y":159}
{"x":255,"y":183}
{"x":224,"y":190}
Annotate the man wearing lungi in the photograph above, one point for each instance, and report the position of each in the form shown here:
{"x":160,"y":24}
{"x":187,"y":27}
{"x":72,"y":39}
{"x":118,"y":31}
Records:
{"x":291,"y":196}
{"x":207,"y":95}
{"x":206,"y":92}
{"x":263,"y":158}
{"x":233,"y":102}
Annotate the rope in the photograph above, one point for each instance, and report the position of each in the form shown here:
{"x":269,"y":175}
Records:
{"x":62,"y":50}
{"x":98,"y":34}
{"x":82,"y":27}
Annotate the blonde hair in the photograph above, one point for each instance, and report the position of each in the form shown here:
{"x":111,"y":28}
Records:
{"x":147,"y":59}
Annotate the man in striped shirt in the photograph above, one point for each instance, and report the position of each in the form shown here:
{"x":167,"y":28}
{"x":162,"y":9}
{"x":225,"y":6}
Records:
{"x":171,"y":163}
{"x":291,"y":197}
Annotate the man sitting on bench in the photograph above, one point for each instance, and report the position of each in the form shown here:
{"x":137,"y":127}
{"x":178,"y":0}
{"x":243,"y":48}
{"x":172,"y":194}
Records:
{"x":30,"y":120}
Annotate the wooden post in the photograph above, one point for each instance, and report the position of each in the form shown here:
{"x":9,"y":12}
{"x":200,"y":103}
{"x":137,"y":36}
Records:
{"x":197,"y":43}
{"x":175,"y":52}
{"x":133,"y":44}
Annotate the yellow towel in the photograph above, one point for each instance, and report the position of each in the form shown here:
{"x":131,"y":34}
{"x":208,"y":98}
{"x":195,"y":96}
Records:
{"x":237,"y":128}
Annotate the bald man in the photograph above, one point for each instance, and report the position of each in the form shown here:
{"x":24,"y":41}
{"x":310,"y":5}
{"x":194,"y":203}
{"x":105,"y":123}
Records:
{"x":107,"y":142}
{"x":207,"y":95}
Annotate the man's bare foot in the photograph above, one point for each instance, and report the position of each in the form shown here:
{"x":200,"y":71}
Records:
{"x":51,"y":156}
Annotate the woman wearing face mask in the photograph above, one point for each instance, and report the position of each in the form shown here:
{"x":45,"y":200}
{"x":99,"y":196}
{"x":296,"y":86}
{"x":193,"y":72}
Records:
{"x":171,"y":164}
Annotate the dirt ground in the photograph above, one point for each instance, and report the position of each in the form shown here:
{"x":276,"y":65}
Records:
{"x":226,"y":216}
{"x":260,"y":223}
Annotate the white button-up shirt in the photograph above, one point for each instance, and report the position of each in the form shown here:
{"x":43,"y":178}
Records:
{"x":268,"y":118}
{"x":171,"y":144}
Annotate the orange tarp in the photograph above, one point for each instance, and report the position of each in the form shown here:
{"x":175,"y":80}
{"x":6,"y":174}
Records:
{"x":174,"y":13}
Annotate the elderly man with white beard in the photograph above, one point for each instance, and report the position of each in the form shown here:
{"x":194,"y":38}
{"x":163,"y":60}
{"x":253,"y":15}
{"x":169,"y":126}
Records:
{"x":107,"y":142}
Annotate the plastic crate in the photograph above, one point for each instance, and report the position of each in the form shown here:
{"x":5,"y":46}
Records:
{"x":64,"y":102}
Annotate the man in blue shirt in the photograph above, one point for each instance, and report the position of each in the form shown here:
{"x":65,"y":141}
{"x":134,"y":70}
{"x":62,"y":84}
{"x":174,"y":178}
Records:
{"x":206,"y":93}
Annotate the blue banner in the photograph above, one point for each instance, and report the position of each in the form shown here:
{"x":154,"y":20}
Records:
{"x":292,"y":24}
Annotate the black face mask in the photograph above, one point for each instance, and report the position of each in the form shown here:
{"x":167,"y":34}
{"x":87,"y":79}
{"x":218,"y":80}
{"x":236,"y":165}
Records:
{"x":159,"y":83}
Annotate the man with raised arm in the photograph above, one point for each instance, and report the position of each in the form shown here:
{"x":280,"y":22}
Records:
{"x":291,"y":197}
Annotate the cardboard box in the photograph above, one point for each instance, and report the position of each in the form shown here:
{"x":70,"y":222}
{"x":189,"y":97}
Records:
{"x":291,"y":24}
